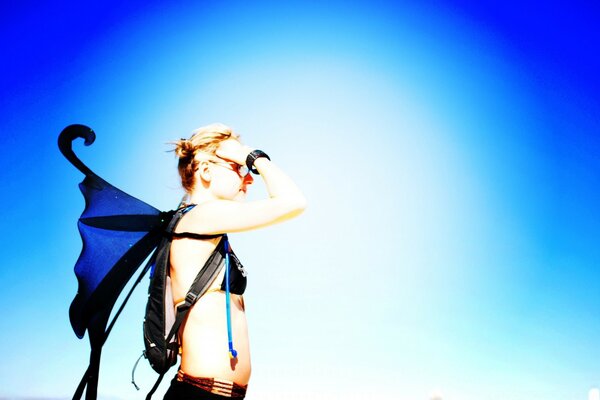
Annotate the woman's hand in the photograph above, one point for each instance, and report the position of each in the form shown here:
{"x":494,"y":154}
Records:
{"x":233,"y":150}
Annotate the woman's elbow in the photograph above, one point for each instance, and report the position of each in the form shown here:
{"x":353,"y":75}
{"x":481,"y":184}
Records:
{"x":300,"y":204}
{"x":295,"y":206}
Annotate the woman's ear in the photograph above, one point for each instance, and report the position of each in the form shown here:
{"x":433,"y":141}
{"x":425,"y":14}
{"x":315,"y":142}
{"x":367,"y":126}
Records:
{"x":204,"y":171}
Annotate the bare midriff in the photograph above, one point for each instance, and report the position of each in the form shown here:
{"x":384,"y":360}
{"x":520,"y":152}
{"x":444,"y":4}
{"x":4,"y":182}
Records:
{"x":204,"y":350}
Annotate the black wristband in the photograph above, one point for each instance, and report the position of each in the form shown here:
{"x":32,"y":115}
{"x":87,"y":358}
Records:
{"x":252,"y":157}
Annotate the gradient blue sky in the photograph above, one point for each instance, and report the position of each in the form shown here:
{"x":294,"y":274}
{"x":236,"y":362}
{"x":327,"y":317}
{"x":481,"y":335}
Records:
{"x":449,"y":152}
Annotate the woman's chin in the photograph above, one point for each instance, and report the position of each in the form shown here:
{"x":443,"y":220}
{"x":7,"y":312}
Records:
{"x":241,"y":196}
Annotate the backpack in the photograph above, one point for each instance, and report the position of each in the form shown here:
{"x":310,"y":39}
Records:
{"x":119,"y":232}
{"x":163,"y":317}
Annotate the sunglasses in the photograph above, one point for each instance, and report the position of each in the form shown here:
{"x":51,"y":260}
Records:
{"x":241,"y":170}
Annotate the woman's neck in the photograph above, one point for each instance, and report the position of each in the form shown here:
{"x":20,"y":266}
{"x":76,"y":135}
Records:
{"x":200,"y":196}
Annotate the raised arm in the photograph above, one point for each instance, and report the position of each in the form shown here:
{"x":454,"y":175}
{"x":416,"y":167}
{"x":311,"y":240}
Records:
{"x":215,"y":216}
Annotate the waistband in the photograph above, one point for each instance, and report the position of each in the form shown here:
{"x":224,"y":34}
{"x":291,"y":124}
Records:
{"x":221,"y":387}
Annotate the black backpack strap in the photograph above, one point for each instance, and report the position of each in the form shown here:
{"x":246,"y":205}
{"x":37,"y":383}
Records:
{"x":205,"y":276}
{"x":191,"y":235}
{"x":200,"y":285}
{"x":156,"y":384}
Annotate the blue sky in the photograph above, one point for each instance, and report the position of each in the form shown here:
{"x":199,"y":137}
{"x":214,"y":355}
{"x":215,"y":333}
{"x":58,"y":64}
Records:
{"x":449,"y":153}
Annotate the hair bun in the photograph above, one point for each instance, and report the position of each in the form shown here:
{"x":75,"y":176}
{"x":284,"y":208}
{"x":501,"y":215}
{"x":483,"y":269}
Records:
{"x":185,"y":149}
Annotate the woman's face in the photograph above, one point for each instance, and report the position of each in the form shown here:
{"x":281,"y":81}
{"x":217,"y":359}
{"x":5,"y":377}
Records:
{"x":227,"y":181}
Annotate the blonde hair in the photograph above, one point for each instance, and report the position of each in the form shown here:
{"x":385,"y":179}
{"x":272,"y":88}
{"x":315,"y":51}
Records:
{"x":203,"y":140}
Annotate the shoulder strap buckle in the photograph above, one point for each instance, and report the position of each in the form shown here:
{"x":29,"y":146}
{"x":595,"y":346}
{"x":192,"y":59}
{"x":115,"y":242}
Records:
{"x":190,"y":298}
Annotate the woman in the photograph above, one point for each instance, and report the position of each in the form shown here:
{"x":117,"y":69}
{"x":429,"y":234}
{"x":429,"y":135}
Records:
{"x":214,"y":167}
